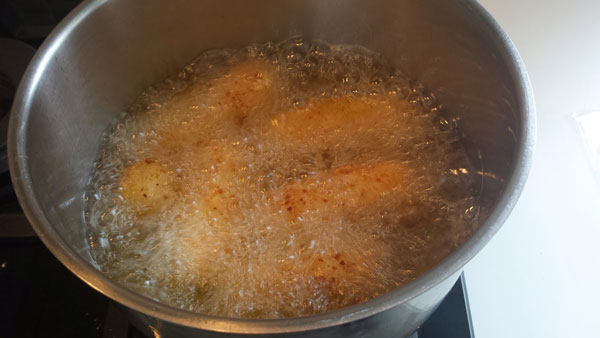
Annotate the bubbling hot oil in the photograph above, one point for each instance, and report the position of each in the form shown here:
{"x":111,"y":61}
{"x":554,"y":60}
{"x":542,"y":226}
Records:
{"x":278,"y":180}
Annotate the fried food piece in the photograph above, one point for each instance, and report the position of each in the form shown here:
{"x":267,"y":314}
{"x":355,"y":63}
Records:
{"x":233,"y":96}
{"x":333,"y":276}
{"x":220,"y":196}
{"x":342,"y":189}
{"x":227,"y":100}
{"x":339,"y":192}
{"x":214,"y":179}
{"x":246,"y":88}
{"x":147,"y":186}
{"x":326,"y":122}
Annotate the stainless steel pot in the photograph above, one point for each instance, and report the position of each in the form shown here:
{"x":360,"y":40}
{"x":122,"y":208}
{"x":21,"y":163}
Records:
{"x":105,"y":52}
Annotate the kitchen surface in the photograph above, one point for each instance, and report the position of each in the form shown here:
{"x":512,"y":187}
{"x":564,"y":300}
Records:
{"x":539,"y":275}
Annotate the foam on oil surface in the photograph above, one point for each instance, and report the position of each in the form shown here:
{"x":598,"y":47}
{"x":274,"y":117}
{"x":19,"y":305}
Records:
{"x":221,"y":240}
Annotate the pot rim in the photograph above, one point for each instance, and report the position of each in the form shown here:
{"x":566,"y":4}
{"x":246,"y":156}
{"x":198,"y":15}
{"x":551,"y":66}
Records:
{"x":17,"y":153}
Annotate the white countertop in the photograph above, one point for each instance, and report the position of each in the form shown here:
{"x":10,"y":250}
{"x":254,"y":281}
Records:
{"x":540,"y":275}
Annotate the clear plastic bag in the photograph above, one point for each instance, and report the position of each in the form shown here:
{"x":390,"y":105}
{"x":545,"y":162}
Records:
{"x":588,"y":123}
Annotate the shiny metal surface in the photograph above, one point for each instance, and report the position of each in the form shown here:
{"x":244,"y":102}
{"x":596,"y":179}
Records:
{"x":105,"y":52}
